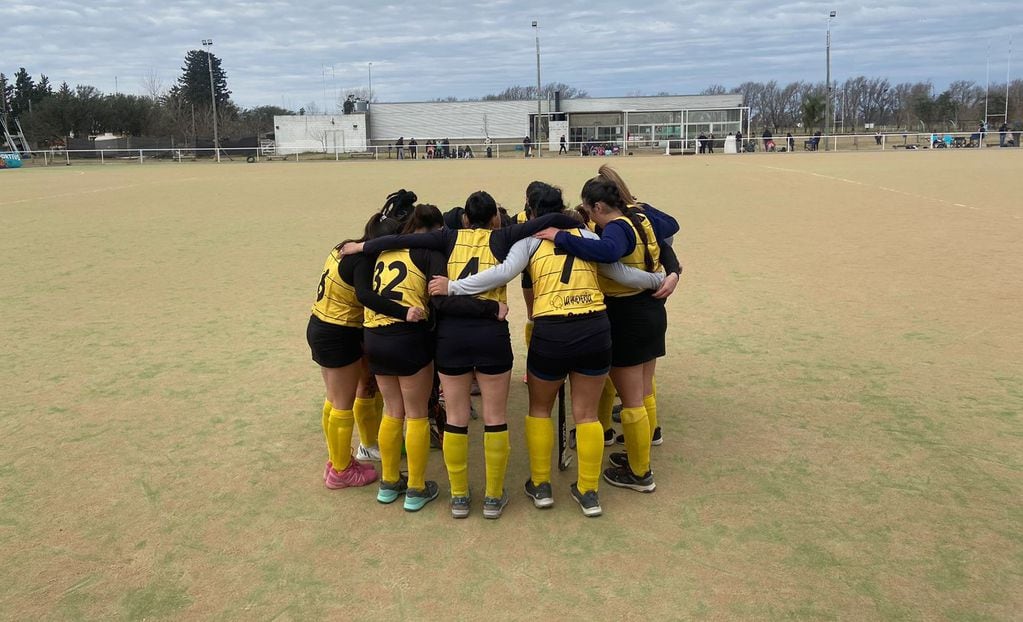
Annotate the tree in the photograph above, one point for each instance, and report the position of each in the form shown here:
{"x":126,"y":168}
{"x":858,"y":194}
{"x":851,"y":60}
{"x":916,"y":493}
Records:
{"x":6,"y":94}
{"x":517,"y":93}
{"x":813,"y":110}
{"x":24,"y":90}
{"x":194,"y":83}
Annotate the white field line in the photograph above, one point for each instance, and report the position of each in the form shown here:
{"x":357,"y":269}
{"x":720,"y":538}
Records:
{"x":884,"y":188}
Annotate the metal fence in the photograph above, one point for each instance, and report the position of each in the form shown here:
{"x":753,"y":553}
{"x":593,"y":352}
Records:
{"x":674,"y":146}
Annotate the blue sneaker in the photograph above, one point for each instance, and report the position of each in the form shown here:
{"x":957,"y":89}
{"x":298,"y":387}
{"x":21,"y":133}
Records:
{"x":390,"y":491}
{"x":416,"y":498}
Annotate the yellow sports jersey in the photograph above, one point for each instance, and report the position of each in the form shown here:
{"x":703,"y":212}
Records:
{"x":521,"y":217}
{"x":335,"y":300}
{"x":471,"y":255}
{"x":634,"y":259}
{"x":396,"y":277}
{"x":563,"y":284}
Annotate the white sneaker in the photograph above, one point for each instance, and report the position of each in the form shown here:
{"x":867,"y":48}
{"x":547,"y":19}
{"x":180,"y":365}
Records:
{"x":367,"y":453}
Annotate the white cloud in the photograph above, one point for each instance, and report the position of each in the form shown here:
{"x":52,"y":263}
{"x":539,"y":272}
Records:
{"x":274,"y":51}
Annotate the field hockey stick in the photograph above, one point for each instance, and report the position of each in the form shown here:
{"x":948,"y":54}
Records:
{"x":564,"y":458}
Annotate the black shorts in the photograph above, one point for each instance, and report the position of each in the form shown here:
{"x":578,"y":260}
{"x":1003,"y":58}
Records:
{"x":467,"y":344}
{"x":561,"y":345}
{"x":333,"y":345}
{"x":400,"y":349}
{"x":638,"y":325}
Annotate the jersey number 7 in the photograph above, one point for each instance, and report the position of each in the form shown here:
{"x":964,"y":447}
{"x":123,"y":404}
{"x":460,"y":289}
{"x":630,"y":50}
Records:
{"x":566,"y":270}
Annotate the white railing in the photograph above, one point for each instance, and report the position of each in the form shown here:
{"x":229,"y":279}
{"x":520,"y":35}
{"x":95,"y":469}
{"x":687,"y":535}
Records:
{"x":778,"y":144}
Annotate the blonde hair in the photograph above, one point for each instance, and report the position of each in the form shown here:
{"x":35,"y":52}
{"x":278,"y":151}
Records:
{"x":612,"y":176}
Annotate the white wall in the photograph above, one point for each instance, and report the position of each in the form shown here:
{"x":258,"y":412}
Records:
{"x":325,"y":133}
{"x":454,"y":120}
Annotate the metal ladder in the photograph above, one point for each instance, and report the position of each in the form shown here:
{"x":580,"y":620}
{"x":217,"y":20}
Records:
{"x":16,"y":142}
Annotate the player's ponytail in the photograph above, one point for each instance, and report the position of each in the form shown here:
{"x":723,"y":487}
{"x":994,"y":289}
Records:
{"x":637,"y":223}
{"x":399,"y":205}
{"x":612,"y":175}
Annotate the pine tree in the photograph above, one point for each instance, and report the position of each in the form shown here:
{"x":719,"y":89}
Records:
{"x":194,"y":84}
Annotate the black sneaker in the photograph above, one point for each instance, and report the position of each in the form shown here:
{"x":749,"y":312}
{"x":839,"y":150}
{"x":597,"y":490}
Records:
{"x":616,"y":413}
{"x":623,"y":477}
{"x":540,"y":494}
{"x":589,"y":502}
{"x":654,"y":440}
{"x":619,"y":459}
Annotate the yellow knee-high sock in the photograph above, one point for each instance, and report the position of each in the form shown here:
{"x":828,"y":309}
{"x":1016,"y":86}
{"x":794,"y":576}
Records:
{"x":637,"y":438}
{"x":340,"y":427}
{"x":650,"y":404}
{"x":606,"y":405}
{"x":326,"y":421}
{"x":539,"y":443}
{"x":389,"y":439}
{"x":496,"y":447}
{"x":529,"y":332}
{"x":456,"y":458}
{"x":366,"y":418}
{"x":417,"y":451}
{"x":589,"y":443}
{"x":653,"y":383}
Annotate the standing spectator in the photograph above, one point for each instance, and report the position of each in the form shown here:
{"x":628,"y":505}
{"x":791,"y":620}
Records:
{"x":767,"y":136}
{"x":982,"y":130}
{"x":790,"y":141}
{"x":738,"y":142}
{"x":701,"y":143}
{"x":1003,"y":129}
{"x":877,"y":137}
{"x":710,"y":143}
{"x":412,"y":146}
{"x":1017,"y":130}
{"x":400,"y":146}
{"x":563,"y":148}
{"x":431,"y":147}
{"x":446,"y":148}
{"x":527,"y":145}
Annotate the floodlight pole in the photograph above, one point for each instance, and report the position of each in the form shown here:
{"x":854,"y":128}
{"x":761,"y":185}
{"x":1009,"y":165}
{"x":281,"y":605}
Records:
{"x":369,"y":97}
{"x":536,"y":131}
{"x":208,"y":43}
{"x":827,"y":84}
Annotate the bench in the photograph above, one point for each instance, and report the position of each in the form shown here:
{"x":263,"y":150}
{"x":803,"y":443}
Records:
{"x":363,"y":155}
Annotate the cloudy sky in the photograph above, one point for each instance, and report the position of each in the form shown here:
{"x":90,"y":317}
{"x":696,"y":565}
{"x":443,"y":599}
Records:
{"x":291,"y":53}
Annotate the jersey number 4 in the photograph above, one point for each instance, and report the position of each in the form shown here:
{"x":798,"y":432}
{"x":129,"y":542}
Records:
{"x":388,"y":290}
{"x":566,"y":270}
{"x":471,"y":267}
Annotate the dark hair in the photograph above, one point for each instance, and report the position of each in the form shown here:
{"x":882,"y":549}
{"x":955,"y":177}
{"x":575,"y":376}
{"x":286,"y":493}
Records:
{"x":399,"y":205}
{"x":480,"y":208}
{"x":545,"y":199}
{"x":377,"y":226}
{"x":424,"y":216}
{"x":606,"y":191}
{"x":530,"y":189}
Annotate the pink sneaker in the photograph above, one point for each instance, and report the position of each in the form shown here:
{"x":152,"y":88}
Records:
{"x":357,"y":474}
{"x":326,"y":469}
